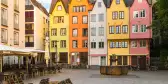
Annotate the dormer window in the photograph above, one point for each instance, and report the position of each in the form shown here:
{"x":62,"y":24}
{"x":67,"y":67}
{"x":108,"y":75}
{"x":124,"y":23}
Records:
{"x":99,"y":4}
{"x":59,"y":7}
{"x":117,"y":1}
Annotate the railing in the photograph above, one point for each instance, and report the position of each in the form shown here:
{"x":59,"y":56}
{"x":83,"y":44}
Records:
{"x":16,"y":42}
{"x":29,"y":7}
{"x":4,"y":22}
{"x":5,"y":2}
{"x":29,"y":44}
{"x":29,"y":31}
{"x":29,"y":19}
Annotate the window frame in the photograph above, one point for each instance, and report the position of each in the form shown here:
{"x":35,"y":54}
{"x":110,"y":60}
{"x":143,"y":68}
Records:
{"x":92,"y":19}
{"x":142,"y":46}
{"x":99,"y":19}
{"x":93,"y":45}
{"x":101,"y":31}
{"x":75,"y":44}
{"x":132,"y":45}
{"x":125,"y":26}
{"x":114,"y":15}
{"x":120,"y":14}
{"x":63,"y":44}
{"x":52,"y":31}
{"x":73,"y":19}
{"x":85,"y":45}
{"x":83,"y":32}
{"x":134,"y":26}
{"x":76,"y":30}
{"x":61,"y":32}
{"x":119,"y":29}
{"x":101,"y":45}
{"x":83,"y":19}
{"x":110,"y":29}
{"x":93,"y":31}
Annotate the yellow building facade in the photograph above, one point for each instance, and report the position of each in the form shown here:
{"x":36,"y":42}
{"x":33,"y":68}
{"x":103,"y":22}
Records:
{"x":59,"y":31}
{"x":118,"y":32}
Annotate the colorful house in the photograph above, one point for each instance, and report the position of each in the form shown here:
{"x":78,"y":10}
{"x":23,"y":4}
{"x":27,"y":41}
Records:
{"x":140,"y":19}
{"x":97,"y":35}
{"x":78,"y":30}
{"x":59,"y":31}
{"x":118,"y":31}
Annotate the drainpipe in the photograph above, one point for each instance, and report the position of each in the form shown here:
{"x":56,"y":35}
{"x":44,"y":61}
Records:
{"x":88,"y":40}
{"x":129,"y":36}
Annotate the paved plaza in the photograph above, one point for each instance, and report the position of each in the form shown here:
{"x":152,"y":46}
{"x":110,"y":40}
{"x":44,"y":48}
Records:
{"x":93,"y":77}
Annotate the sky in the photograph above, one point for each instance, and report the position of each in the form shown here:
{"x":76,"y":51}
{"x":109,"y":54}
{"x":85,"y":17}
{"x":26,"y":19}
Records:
{"x":45,"y":3}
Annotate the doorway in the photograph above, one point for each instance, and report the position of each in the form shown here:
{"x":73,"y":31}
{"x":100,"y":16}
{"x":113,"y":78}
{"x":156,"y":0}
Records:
{"x":142,"y":62}
{"x":103,"y":61}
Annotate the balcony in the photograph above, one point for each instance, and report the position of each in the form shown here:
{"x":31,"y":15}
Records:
{"x":29,"y":7}
{"x":29,"y":31}
{"x":29,"y":19}
{"x":29,"y":44}
{"x":4,"y":2}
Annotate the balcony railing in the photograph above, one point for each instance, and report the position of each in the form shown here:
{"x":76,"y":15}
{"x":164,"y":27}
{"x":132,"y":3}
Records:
{"x":29,"y":31}
{"x":4,"y":22}
{"x":16,"y":42}
{"x":29,"y":44}
{"x":29,"y":19}
{"x":29,"y":7}
{"x":5,"y":2}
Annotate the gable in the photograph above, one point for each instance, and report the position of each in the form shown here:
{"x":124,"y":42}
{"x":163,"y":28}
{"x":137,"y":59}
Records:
{"x":96,"y":4}
{"x":126,"y":3}
{"x":64,"y":4}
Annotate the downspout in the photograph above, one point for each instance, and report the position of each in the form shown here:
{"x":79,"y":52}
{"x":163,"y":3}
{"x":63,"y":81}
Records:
{"x":88,"y":40}
{"x":129,"y":35}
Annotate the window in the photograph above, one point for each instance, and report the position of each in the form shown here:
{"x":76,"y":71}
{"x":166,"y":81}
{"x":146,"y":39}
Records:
{"x":63,"y":31}
{"x":93,"y":17}
{"x":4,"y":35}
{"x":53,"y":32}
{"x":119,"y":62}
{"x":143,"y":28}
{"x":63,"y":43}
{"x":117,"y":45}
{"x":93,"y":44}
{"x":125,"y":60}
{"x":74,"y":43}
{"x":16,"y":4}
{"x":117,"y":1}
{"x":85,"y":44}
{"x":84,"y":8}
{"x":74,"y":9}
{"x":16,"y":21}
{"x":101,"y":44}
{"x":111,"y":30}
{"x":4,"y":17}
{"x":16,"y":38}
{"x":115,"y":15}
{"x":118,"y":30}
{"x":101,"y":31}
{"x":139,"y":1}
{"x":84,"y":19}
{"x":124,"y":44}
{"x":77,"y":8}
{"x":133,"y":44}
{"x":134,"y":28}
{"x":101,"y":17}
{"x":74,"y":19}
{"x":29,"y":26}
{"x":54,"y":44}
{"x":121,"y":15}
{"x":142,"y":13}
{"x":142,"y":43}
{"x":99,"y":4}
{"x":75,"y":33}
{"x":85,"y":32}
{"x":29,"y":38}
{"x":125,"y":29}
{"x":58,"y":19}
{"x":93,"y":31}
{"x":135,"y":14}
{"x":59,"y":7}
{"x":112,"y":44}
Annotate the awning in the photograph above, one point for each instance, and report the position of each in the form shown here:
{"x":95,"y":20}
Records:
{"x":4,"y":48}
{"x":35,"y":51}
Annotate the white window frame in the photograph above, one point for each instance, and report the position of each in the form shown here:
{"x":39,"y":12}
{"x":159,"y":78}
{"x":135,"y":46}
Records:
{"x":121,"y":14}
{"x":85,"y":19}
{"x":101,"y":31}
{"x":75,"y":32}
{"x":93,"y":31}
{"x":54,"y":32}
{"x":111,"y":30}
{"x":135,"y":14}
{"x":85,"y":43}
{"x":134,"y":28}
{"x":63,"y":43}
{"x":134,"y":44}
{"x":118,"y":29}
{"x":93,"y":17}
{"x":74,"y":19}
{"x":93,"y":45}
{"x":74,"y":44}
{"x":143,"y":43}
{"x":99,"y":4}
{"x":125,"y":29}
{"x":101,"y":17}
{"x":141,"y":13}
{"x":143,"y":28}
{"x":63,"y":31}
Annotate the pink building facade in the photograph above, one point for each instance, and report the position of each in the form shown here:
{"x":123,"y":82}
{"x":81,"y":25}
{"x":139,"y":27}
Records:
{"x":140,"y":32}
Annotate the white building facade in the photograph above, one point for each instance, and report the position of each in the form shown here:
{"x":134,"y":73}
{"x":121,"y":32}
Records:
{"x":97,"y":35}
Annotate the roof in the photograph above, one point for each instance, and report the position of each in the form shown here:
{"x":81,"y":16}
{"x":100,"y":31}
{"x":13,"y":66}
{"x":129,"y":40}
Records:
{"x":41,"y":7}
{"x":107,"y":3}
{"x":89,"y":1}
{"x":54,"y":2}
{"x":149,"y":2}
{"x":128,"y":3}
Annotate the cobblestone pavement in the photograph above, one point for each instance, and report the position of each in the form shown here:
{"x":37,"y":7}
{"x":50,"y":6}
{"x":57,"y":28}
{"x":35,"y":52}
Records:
{"x":93,"y":77}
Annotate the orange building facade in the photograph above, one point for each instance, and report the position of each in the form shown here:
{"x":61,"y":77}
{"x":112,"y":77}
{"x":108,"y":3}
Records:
{"x":78,"y":31}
